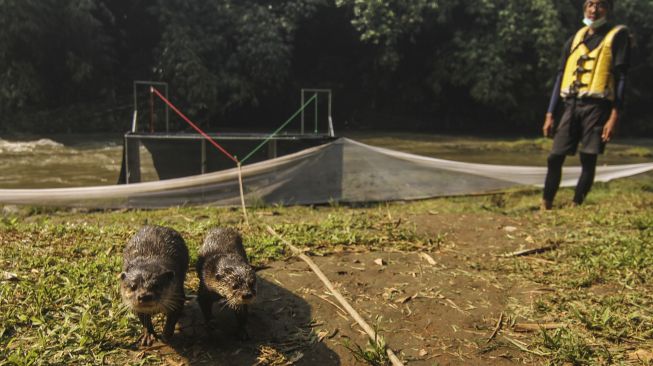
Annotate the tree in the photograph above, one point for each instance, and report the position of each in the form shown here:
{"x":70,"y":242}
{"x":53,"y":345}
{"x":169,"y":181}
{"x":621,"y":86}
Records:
{"x":51,"y":52}
{"x":498,"y":51}
{"x":223,"y":55}
{"x":475,"y":64}
{"x":635,"y":13}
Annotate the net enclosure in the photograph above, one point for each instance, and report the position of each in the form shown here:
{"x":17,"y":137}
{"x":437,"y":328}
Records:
{"x":343,"y":170}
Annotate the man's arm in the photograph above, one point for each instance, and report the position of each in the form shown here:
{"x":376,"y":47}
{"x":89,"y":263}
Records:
{"x":621,"y":51}
{"x":547,"y":128}
{"x":611,"y":124}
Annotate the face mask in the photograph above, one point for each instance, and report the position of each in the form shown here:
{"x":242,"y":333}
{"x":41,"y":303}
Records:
{"x":594,"y":24}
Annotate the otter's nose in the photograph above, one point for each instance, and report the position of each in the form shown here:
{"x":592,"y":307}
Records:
{"x":145,"y":298}
{"x":248,"y":296}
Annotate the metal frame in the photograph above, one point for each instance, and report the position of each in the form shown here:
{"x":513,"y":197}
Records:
{"x":272,"y":144}
{"x":126,"y":157}
{"x":165,"y":93}
{"x":329,"y":116}
{"x":222,"y":136}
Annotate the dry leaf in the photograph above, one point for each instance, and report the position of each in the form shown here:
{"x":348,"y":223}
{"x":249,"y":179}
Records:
{"x":423,"y":353}
{"x":509,"y":229}
{"x":404,"y":300}
{"x":641,"y":355}
{"x":389,"y":293}
{"x":380,"y":262}
{"x":9,"y":276}
{"x":428,"y":258}
{"x":322,"y":334}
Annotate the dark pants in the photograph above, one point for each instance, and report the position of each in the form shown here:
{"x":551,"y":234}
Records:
{"x":581,"y":123}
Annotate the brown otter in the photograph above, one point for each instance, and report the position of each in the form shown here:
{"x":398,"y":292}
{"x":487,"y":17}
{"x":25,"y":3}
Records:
{"x":225,"y":274}
{"x":155,"y":262}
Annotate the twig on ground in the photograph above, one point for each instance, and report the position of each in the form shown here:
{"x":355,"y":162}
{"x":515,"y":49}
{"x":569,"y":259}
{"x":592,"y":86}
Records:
{"x":496,"y":328}
{"x":331,"y":302}
{"x":428,"y":258}
{"x":522,"y":346}
{"x":453,"y":305}
{"x":531,"y":327}
{"x":530,"y":251}
{"x":354,"y":314}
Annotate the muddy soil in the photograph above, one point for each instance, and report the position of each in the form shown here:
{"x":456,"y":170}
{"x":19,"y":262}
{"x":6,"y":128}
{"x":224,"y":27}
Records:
{"x":442,"y":311}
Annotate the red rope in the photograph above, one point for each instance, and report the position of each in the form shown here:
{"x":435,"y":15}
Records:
{"x":153,"y":89}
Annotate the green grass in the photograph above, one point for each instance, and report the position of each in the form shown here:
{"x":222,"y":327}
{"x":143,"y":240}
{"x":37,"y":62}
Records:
{"x":600,"y":276}
{"x":63,"y":307}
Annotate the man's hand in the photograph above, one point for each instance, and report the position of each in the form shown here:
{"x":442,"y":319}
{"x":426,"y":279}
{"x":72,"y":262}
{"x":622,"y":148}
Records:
{"x":547,"y":128}
{"x":610,"y":126}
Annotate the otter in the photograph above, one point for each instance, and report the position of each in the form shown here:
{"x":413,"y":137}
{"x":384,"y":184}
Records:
{"x":155,"y":262}
{"x":225,"y":274}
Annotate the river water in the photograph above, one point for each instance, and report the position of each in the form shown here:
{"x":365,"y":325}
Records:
{"x":67,"y":161}
{"x":76,"y":161}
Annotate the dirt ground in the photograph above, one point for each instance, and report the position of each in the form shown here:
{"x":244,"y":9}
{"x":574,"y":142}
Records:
{"x":431,"y":313}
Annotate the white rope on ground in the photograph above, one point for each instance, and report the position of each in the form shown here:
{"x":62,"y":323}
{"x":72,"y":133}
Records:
{"x":354,"y":314}
{"x":242,"y":193}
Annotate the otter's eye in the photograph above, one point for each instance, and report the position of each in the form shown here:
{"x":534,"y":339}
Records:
{"x":234,"y":287}
{"x":133,"y":287}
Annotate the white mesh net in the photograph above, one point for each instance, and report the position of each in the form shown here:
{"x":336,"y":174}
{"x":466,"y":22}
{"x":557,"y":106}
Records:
{"x":340,"y":171}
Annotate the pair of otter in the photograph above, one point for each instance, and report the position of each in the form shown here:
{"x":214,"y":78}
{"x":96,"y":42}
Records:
{"x":155,"y":262}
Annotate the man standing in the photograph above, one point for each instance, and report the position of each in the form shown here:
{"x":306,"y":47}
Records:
{"x":591,"y":83}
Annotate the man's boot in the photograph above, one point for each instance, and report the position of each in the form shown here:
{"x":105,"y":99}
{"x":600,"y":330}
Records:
{"x":546,"y":205}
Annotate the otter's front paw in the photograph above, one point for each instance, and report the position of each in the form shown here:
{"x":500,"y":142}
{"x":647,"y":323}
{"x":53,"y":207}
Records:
{"x":147,"y":339}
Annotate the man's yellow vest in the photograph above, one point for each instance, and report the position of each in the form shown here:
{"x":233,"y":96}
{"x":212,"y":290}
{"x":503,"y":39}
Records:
{"x":589,"y":73}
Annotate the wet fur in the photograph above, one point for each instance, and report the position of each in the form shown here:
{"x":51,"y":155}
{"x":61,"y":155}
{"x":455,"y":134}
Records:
{"x":155,"y":262}
{"x":225,"y":275}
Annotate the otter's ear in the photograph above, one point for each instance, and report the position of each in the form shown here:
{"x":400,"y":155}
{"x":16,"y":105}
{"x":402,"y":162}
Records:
{"x":167,"y":276}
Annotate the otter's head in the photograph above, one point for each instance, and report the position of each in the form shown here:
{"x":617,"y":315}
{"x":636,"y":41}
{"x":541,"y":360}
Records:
{"x":230,"y":278}
{"x":149,"y":289}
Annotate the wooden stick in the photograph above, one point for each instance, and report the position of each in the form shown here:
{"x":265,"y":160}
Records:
{"x":533,"y":327}
{"x":352,"y":312}
{"x":496,"y":329}
{"x":242,"y":193}
{"x":529,"y":251}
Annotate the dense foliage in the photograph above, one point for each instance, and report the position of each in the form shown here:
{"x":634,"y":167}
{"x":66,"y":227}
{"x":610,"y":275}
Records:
{"x":441,"y":65}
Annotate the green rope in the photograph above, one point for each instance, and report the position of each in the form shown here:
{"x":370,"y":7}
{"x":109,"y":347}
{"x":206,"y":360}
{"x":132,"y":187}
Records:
{"x":278,"y":129}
